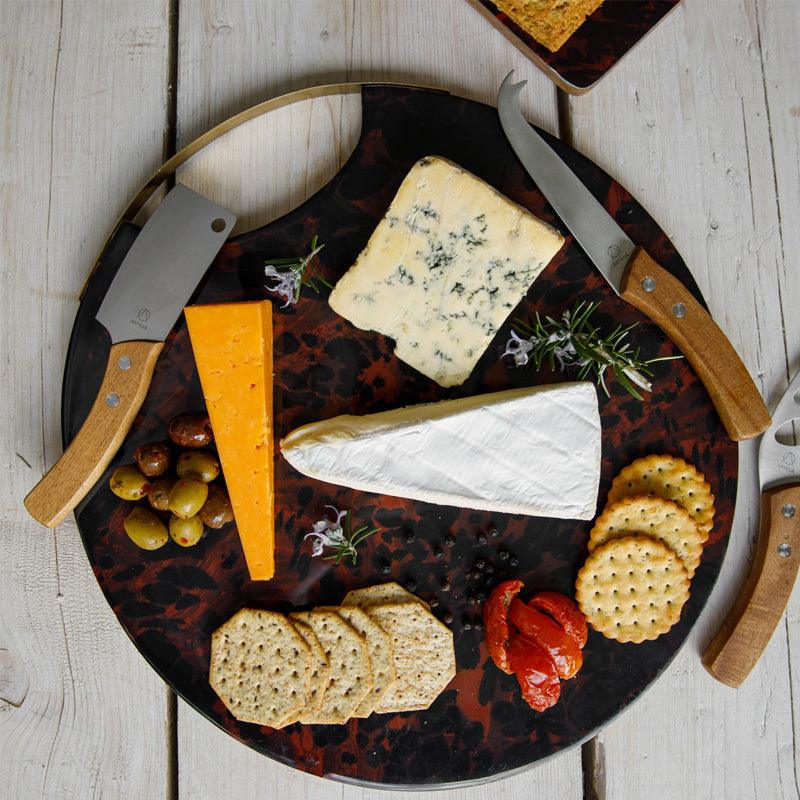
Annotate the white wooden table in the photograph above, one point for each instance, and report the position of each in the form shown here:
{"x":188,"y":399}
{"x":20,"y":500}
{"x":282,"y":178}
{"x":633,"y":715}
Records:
{"x":701,"y":122}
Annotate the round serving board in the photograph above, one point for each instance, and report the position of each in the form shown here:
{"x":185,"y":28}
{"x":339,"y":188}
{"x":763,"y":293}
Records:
{"x":169,"y":601}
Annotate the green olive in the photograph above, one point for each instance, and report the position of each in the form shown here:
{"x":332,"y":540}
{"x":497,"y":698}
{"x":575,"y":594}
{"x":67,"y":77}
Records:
{"x":128,"y":483}
{"x":186,"y":532}
{"x":216,"y":511}
{"x":145,"y":529}
{"x":152,"y":459}
{"x":158,"y":493}
{"x":198,"y":464}
{"x":190,"y":430}
{"x":187,"y":497}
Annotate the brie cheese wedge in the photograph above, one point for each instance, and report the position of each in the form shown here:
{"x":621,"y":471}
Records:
{"x":534,"y":450}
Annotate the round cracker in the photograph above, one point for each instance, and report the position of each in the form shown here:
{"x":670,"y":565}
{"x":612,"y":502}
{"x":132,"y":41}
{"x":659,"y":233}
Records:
{"x":655,"y":517}
{"x":632,"y":589}
{"x":671,"y":478}
{"x":260,"y":667}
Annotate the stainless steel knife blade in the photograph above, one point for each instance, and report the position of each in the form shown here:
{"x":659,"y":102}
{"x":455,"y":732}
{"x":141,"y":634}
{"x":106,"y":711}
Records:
{"x":595,"y":230}
{"x":780,"y":463}
{"x":163,"y":266}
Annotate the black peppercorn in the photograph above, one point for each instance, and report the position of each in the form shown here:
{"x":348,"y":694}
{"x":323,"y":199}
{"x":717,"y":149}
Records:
{"x":481,"y":538}
{"x":445,"y":585}
{"x":438,"y":552}
{"x":450,"y":540}
{"x":513,"y":561}
{"x":480,"y":597}
{"x":433,"y":602}
{"x":447,"y":618}
{"x":480,"y":564}
{"x":492,"y":530}
{"x":410,"y":537}
{"x":469,"y":575}
{"x":489,"y":569}
{"x":490,"y":582}
{"x":466,"y":624}
{"x":502,"y":554}
{"x":411,"y":585}
{"x":386,"y":568}
{"x":478,"y":625}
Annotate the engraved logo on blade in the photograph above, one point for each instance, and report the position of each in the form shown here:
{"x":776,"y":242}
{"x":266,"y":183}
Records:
{"x":787,"y":463}
{"x":142,"y":318}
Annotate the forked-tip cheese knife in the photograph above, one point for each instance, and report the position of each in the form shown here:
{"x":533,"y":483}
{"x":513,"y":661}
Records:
{"x":155,"y":280}
{"x":635,"y":276}
{"x":741,"y":640}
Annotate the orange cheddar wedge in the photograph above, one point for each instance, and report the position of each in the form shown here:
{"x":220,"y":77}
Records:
{"x":232,"y":345}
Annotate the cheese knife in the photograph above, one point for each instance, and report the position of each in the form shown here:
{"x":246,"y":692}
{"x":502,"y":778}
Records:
{"x":635,"y":276}
{"x":157,"y":277}
{"x":744,"y":635}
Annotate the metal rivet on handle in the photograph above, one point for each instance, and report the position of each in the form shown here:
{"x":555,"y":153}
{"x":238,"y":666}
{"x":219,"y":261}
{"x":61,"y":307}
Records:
{"x":649,"y":284}
{"x":784,"y":550}
{"x":124,"y":362}
{"x":679,"y":310}
{"x":112,"y":399}
{"x":218,"y":225}
{"x":788,"y":510}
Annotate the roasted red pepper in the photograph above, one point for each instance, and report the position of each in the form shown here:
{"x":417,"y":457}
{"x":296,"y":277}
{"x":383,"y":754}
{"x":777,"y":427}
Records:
{"x":495,"y":622}
{"x":534,"y":625}
{"x":535,"y":672}
{"x":565,"y":612}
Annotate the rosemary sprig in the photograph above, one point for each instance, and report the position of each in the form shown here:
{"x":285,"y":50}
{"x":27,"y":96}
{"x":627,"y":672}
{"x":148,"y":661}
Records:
{"x":576,"y":342}
{"x":339,"y":539}
{"x":289,"y":275}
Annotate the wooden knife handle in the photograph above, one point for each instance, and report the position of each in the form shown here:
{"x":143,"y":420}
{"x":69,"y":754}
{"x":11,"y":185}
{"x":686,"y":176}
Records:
{"x":672,"y":307}
{"x":741,"y":640}
{"x":122,"y":392}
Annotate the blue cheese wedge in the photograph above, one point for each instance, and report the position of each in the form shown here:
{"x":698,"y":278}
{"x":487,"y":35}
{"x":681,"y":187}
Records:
{"x":444,"y":268}
{"x":534,"y":450}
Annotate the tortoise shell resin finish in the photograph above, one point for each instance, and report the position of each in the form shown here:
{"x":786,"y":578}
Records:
{"x":607,"y":34}
{"x":171,"y":600}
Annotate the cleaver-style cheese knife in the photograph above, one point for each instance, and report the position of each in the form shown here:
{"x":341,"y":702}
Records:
{"x":757,"y":611}
{"x":636,"y":277}
{"x":155,"y":280}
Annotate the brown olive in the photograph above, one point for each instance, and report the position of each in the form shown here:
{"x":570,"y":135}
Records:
{"x":187,"y":497}
{"x":186,"y":532}
{"x":198,"y":464}
{"x":145,"y":529}
{"x":216,"y":511}
{"x":158,"y":493}
{"x":152,"y":459}
{"x":191,"y":430}
{"x":128,"y":483}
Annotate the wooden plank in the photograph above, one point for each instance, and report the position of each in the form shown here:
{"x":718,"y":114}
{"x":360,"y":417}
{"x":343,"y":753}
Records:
{"x":233,"y":54}
{"x":698,"y":124}
{"x":84,"y":110}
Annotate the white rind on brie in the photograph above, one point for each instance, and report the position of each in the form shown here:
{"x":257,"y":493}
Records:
{"x":534,"y":450}
{"x":444,"y":268}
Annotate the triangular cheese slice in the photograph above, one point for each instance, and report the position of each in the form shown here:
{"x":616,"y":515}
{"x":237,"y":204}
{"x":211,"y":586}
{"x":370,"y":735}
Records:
{"x":534,"y":450}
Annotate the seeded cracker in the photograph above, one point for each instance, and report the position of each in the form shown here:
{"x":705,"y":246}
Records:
{"x":670,"y":478}
{"x":654,"y":517}
{"x":423,"y":656}
{"x":381,"y":655}
{"x":320,"y":674}
{"x":260,"y":667}
{"x":351,"y":676}
{"x":381,"y":594}
{"x":632,"y":589}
